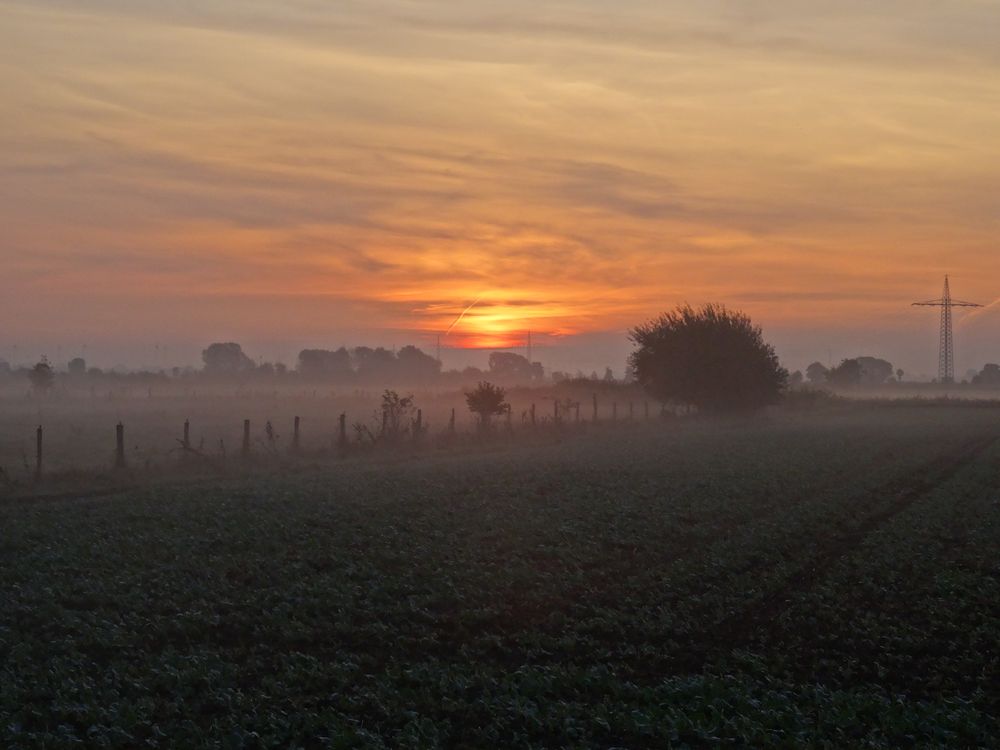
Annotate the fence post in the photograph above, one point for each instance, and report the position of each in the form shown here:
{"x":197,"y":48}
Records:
{"x":246,"y":438}
{"x":418,"y":426}
{"x":532,"y":415}
{"x":120,"y":446}
{"x":342,"y":439}
{"x":595,"y":407}
{"x":38,"y":454}
{"x":451,"y":422}
{"x":187,"y":434}
{"x":295,"y":436}
{"x":576,"y":409}
{"x":555,"y":411}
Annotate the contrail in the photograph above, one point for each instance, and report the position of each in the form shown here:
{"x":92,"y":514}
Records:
{"x":459,"y":318}
{"x":972,"y":315}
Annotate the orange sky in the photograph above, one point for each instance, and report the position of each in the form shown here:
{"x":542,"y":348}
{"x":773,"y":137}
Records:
{"x":362,"y":171}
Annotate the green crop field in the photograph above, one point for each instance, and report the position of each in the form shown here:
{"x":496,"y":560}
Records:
{"x":825,"y":579}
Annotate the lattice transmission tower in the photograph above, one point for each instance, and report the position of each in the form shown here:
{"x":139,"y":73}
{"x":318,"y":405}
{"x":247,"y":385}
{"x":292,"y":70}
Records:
{"x":946,"y":358}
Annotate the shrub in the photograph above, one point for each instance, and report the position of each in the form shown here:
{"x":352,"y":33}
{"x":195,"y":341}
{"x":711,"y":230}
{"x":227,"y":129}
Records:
{"x":711,"y":357}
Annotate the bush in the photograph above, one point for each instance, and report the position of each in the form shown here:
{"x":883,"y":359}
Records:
{"x":711,"y":357}
{"x":486,"y":401}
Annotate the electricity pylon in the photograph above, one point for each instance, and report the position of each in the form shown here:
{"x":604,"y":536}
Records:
{"x":946,"y":358}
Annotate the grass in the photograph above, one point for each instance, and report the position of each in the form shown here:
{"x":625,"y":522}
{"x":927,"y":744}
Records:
{"x":825,"y":580}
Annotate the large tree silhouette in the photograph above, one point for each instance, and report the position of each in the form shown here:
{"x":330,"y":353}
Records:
{"x":711,"y":357}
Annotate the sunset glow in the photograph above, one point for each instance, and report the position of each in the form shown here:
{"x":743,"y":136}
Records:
{"x":350,"y":171}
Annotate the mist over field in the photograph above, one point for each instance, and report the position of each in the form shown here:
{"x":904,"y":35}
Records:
{"x":419,"y":374}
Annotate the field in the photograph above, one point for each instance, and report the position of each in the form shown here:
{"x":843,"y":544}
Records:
{"x":829,"y":578}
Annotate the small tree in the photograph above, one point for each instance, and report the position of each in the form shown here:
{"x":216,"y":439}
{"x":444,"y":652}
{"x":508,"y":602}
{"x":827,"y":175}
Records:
{"x":816,"y":373}
{"x":41,"y":376}
{"x":396,"y":411}
{"x":711,"y":357}
{"x":486,"y":401}
{"x":847,"y":374}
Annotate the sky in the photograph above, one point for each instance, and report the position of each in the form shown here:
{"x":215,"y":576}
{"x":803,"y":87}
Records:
{"x":289,"y":173}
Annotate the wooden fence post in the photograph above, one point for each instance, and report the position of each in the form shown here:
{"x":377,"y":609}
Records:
{"x":295,"y":436}
{"x":532,"y":415}
{"x":246,"y":438}
{"x":120,"y":446}
{"x":342,"y":438}
{"x":418,"y":426}
{"x":595,"y":407}
{"x":38,"y":454}
{"x":451,"y":422}
{"x":187,"y":434}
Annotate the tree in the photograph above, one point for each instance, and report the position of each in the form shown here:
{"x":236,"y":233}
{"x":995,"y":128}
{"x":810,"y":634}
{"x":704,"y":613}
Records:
{"x":226,"y":359}
{"x":77,"y":367}
{"x":989,"y":375}
{"x":486,"y":401}
{"x":874,"y":371}
{"x":415,"y":366}
{"x":396,"y":410}
{"x":513,"y":367}
{"x":899,"y":374}
{"x":816,"y":373}
{"x":323,"y":363}
{"x":42,"y":377}
{"x":846,"y":375}
{"x":795,"y":379}
{"x":711,"y":357}
{"x":374,"y":365}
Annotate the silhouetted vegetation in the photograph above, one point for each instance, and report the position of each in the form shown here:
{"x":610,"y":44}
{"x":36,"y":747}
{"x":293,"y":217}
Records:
{"x":42,"y":377}
{"x":487,"y":401}
{"x":711,"y":357}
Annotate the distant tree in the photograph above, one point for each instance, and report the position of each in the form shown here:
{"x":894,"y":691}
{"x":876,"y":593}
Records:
{"x":609,"y":375}
{"x":711,"y":357}
{"x":874,"y":371}
{"x":559,"y":376}
{"x":77,"y":367}
{"x":415,"y":366}
{"x":514,"y":367}
{"x":899,"y":374}
{"x":487,"y":401}
{"x":795,"y":379}
{"x":323,"y":363}
{"x":989,"y":376}
{"x":472,"y":374}
{"x":4,"y":367}
{"x":42,"y":377}
{"x":846,"y":375}
{"x":226,"y":359}
{"x":374,"y":365}
{"x":816,"y":373}
{"x":396,"y":411}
